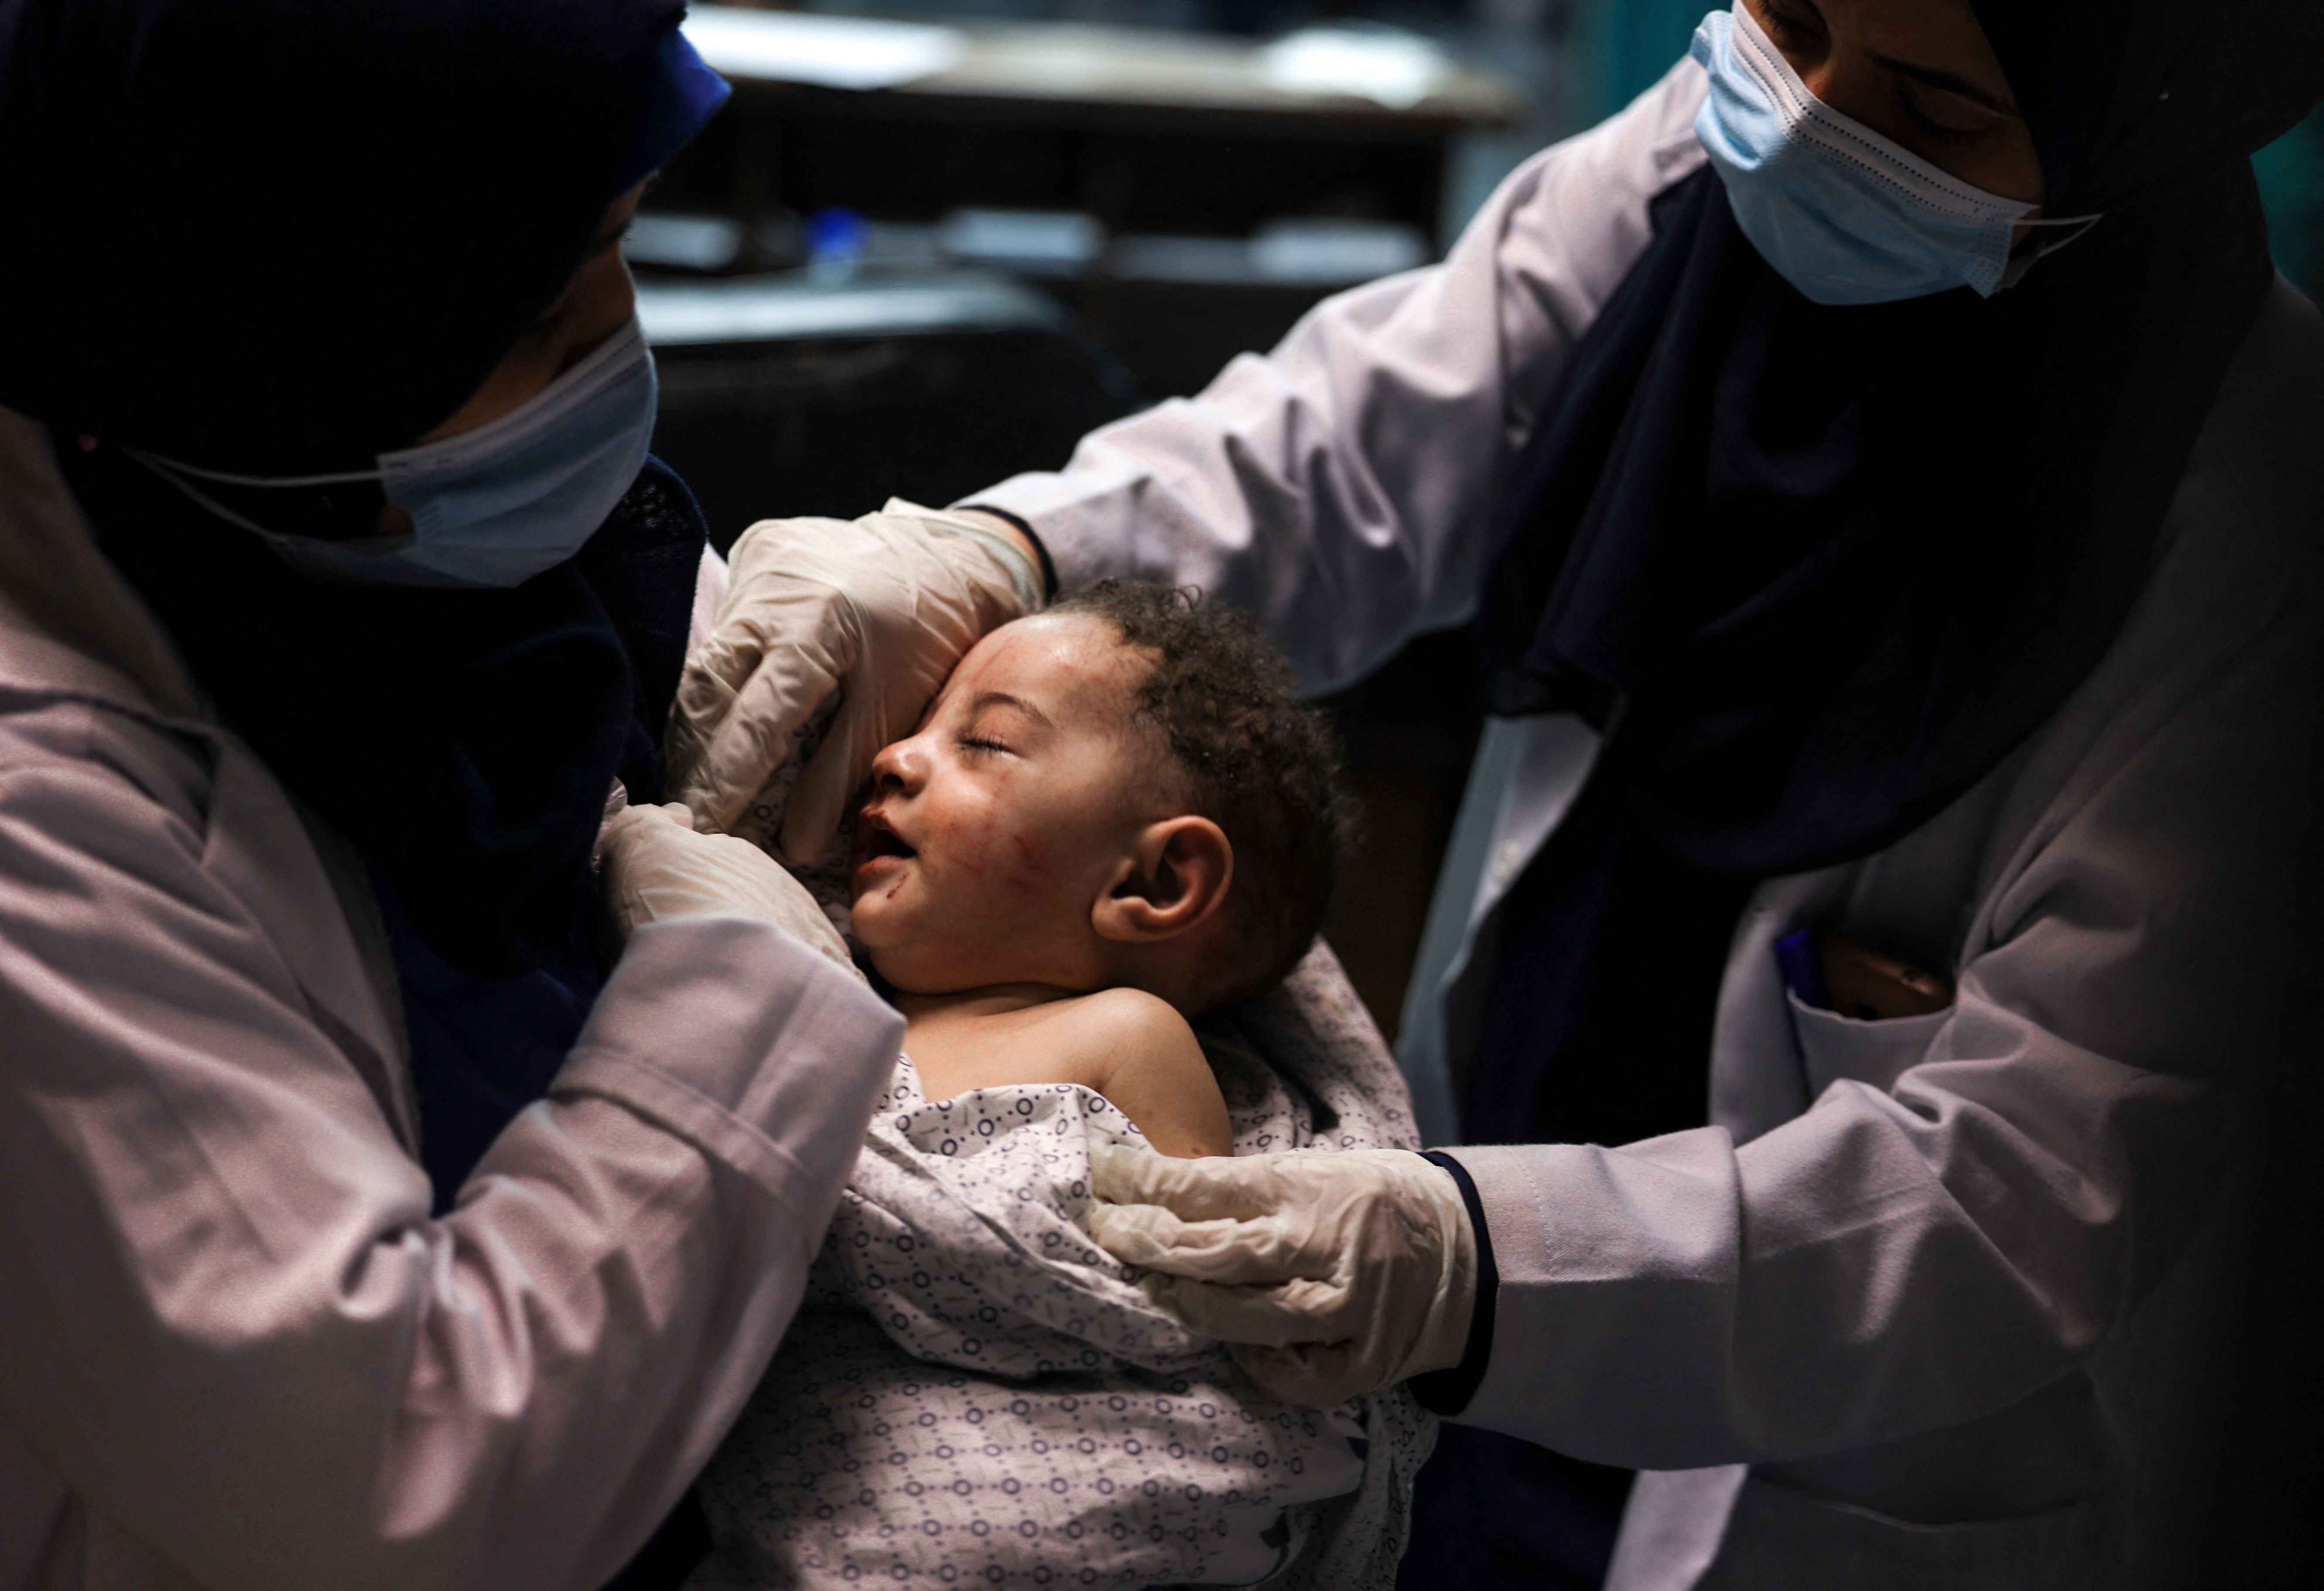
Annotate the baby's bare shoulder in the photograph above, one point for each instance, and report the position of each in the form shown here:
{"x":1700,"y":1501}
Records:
{"x":1124,"y":1024}
{"x":1141,"y":1054}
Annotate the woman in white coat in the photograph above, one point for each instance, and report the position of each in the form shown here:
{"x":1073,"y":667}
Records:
{"x":363,"y":1223}
{"x":1883,"y":467}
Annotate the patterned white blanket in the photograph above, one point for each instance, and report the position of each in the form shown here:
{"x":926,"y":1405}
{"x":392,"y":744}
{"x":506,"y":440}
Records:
{"x":976,"y":1394}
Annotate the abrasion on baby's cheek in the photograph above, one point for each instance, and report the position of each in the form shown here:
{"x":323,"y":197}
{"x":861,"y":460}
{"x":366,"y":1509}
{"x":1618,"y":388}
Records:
{"x":1000,"y":821}
{"x":1028,"y":855}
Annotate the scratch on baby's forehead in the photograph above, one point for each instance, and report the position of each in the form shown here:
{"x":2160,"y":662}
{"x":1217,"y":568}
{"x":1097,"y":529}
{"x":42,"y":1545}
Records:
{"x":1065,"y":661}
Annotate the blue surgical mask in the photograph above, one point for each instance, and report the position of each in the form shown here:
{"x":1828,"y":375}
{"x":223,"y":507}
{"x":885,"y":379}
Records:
{"x":1841,"y":213}
{"x":491,"y":507}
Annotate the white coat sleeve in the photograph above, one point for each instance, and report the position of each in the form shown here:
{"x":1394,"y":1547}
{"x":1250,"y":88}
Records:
{"x":1905,"y":1257}
{"x":233,"y":1329}
{"x":1342,"y":488}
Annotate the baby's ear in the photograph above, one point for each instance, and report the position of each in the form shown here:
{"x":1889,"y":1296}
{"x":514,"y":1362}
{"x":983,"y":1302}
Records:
{"x":1174,"y":879}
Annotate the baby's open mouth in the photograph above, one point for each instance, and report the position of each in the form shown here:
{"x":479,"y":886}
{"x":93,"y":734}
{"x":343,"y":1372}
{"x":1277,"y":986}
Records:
{"x":874,"y":839}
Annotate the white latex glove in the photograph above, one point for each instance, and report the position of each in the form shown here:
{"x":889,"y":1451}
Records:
{"x":878,"y":608}
{"x":655,"y":868}
{"x":1332,"y":1275}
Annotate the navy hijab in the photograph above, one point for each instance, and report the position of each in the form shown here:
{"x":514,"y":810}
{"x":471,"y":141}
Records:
{"x":280,"y":236}
{"x":1819,"y":569}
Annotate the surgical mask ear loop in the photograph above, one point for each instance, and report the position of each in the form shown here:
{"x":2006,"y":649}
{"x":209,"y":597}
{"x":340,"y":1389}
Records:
{"x":171,"y":466}
{"x":176,"y":474}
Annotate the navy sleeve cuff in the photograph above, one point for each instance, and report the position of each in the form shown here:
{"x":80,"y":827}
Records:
{"x":1040,"y":547}
{"x":1448,"y":1392}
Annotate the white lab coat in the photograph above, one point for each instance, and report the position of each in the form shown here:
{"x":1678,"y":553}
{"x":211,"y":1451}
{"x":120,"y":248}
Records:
{"x":235,"y":1348}
{"x":1882,"y":1277}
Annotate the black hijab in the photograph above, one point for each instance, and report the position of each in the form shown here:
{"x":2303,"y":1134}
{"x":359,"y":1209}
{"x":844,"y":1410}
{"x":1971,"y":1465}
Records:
{"x":1834,"y":564}
{"x":279,"y":237}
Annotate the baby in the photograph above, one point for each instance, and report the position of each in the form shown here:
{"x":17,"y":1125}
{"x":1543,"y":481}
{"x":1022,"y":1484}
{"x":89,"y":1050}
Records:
{"x":1116,"y":817}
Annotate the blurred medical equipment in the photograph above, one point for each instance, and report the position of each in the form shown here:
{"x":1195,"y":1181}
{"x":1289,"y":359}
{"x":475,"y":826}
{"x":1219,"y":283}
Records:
{"x":1155,"y":184}
{"x":803,"y":394}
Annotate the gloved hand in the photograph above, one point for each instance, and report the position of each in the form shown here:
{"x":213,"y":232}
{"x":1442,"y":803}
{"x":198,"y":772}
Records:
{"x":879,"y":608}
{"x":1332,"y":1275}
{"x":655,"y":868}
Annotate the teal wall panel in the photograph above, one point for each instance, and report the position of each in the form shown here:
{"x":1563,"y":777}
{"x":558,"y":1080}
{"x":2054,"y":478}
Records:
{"x":1634,"y":42}
{"x":2292,"y":183}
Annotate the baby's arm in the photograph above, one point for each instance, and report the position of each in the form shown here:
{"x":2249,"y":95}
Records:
{"x":1148,"y":1062}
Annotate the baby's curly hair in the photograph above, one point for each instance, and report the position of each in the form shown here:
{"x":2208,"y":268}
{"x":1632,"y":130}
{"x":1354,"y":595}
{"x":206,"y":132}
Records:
{"x":1259,"y":762}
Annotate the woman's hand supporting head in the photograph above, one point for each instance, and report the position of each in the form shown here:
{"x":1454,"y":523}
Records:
{"x":656,"y":870}
{"x":877,"y":610}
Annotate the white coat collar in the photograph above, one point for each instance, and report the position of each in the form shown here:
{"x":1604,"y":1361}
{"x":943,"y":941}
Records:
{"x":70,"y":624}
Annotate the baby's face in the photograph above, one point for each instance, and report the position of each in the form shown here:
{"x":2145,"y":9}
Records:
{"x":988,"y":835}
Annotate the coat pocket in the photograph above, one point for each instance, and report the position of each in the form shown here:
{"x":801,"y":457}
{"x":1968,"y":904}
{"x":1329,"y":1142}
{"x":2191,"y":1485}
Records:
{"x":1779,"y":1538}
{"x":1833,"y":1047}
